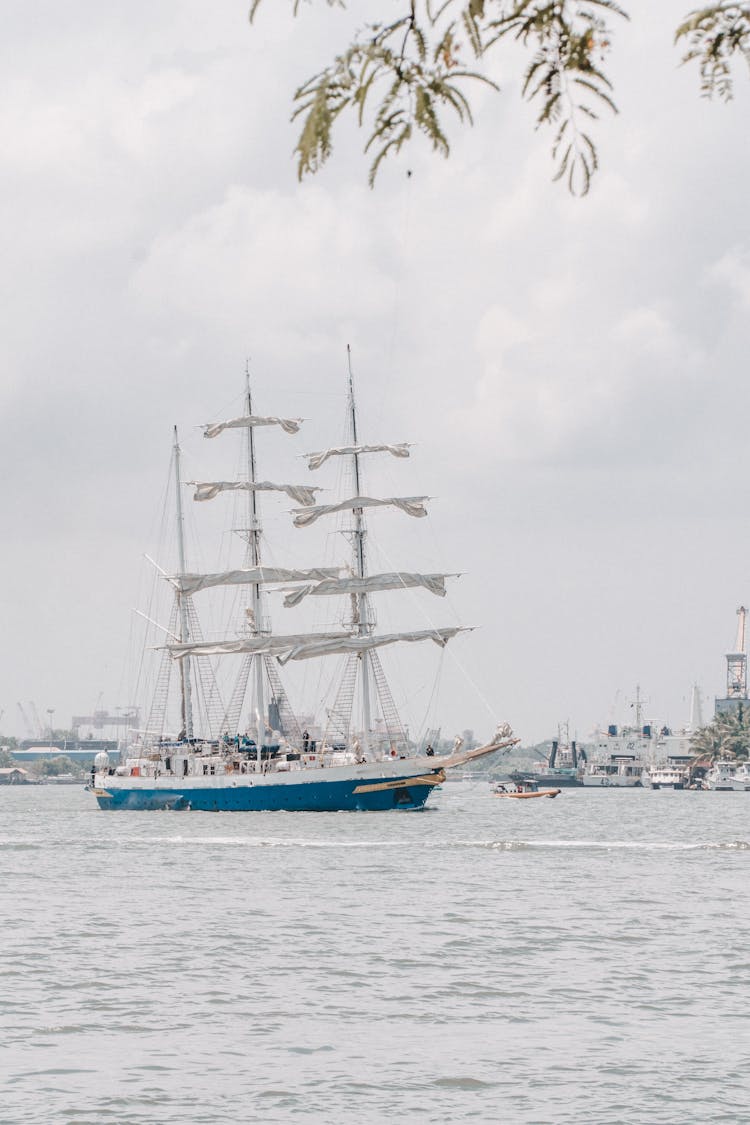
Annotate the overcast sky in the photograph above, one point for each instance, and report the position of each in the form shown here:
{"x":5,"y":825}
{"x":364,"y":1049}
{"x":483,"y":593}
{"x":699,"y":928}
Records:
{"x":573,"y":373}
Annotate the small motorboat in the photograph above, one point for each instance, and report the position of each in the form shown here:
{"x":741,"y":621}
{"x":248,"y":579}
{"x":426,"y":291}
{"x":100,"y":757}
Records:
{"x":523,"y":790}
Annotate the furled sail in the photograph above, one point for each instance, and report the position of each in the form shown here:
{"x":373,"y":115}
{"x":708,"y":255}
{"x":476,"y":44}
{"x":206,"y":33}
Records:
{"x":255,"y":644}
{"x":398,"y":580}
{"x":412,"y":505}
{"x":192,"y":583}
{"x":356,"y":644}
{"x":289,"y":425}
{"x":300,"y":493}
{"x":315,"y":460}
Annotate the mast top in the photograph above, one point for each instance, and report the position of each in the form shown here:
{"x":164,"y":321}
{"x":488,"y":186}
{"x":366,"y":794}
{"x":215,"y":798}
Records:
{"x":353,"y":414}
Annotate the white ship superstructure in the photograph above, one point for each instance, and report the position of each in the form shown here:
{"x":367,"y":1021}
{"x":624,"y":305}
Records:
{"x":621,"y":753}
{"x":628,"y":756}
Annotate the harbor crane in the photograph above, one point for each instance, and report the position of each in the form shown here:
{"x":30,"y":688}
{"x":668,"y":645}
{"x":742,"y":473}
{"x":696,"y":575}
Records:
{"x":129,"y":718}
{"x":737,"y":661}
{"x":39,"y":729}
{"x":26,"y":721}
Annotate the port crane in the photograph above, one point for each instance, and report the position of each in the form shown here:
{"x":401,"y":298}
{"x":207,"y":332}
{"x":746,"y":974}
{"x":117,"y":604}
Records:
{"x":39,"y":729}
{"x":26,"y":721}
{"x":129,"y":718}
{"x":737,"y":661}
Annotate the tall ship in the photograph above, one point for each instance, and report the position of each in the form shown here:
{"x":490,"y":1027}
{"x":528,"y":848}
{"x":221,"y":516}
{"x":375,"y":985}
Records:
{"x":251,"y":753}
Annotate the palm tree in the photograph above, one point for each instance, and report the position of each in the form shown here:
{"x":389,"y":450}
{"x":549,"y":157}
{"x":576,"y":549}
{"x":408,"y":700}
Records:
{"x":727,"y":736}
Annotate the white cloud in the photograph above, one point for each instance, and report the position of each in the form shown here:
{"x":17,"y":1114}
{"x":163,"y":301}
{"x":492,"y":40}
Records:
{"x":554,"y":358}
{"x":732,"y":271}
{"x":646,"y":331}
{"x":266,"y":258}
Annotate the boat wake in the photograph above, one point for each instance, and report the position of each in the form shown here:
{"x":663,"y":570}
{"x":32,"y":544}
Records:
{"x":27,"y":844}
{"x":261,"y":842}
{"x":607,"y":845}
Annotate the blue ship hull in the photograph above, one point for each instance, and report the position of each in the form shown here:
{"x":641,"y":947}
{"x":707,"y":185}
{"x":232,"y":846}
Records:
{"x":318,"y":796}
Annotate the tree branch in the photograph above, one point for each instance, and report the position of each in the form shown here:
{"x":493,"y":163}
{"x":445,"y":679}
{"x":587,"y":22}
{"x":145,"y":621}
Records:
{"x":402,"y":86}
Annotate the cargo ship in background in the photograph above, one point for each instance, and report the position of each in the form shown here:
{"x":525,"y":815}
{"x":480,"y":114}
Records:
{"x":563,"y":767}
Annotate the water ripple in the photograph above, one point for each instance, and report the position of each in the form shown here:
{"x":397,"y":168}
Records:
{"x":582,"y":963}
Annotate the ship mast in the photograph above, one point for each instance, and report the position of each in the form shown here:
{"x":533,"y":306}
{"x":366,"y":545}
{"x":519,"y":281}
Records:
{"x":254,"y":534}
{"x":185,"y":670}
{"x":363,"y":624}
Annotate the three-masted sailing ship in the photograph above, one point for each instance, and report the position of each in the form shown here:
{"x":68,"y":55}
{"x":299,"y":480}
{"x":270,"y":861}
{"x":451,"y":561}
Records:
{"x":270,"y":763}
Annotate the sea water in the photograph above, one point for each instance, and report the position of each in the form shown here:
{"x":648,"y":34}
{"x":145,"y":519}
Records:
{"x":582,"y":960}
